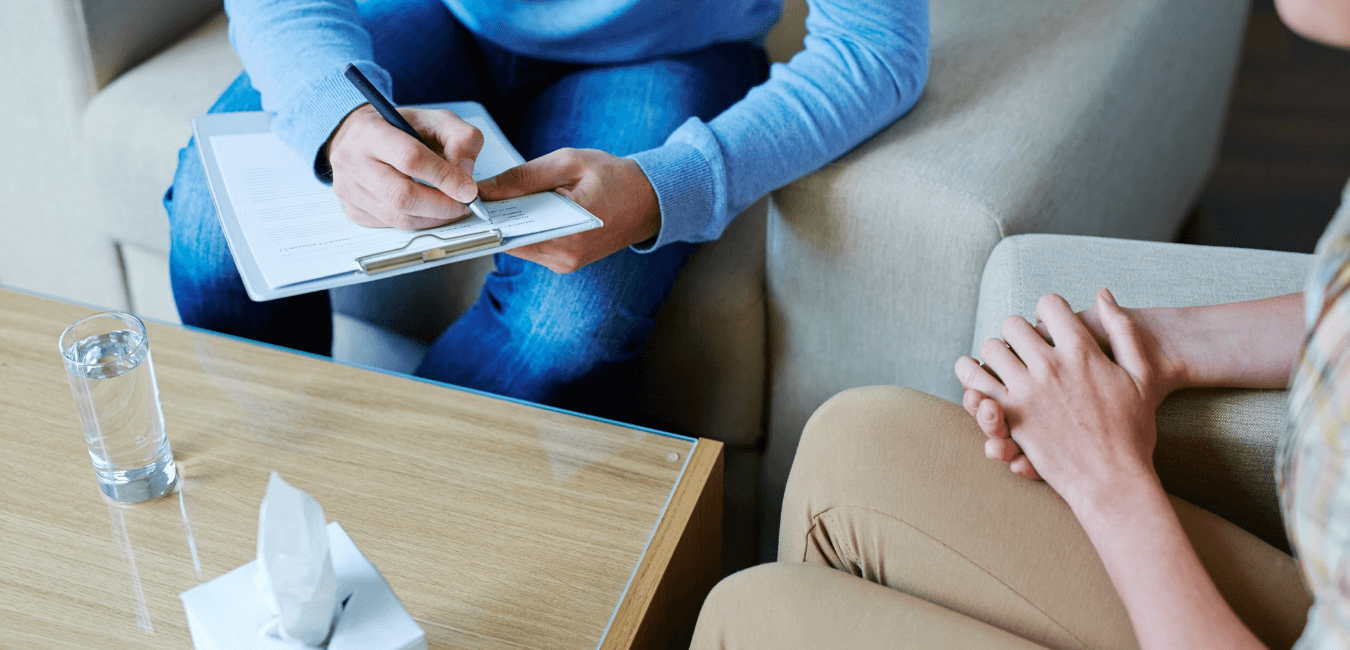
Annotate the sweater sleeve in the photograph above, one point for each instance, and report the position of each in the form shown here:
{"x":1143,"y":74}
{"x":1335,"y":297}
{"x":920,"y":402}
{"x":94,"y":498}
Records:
{"x":294,"y":52}
{"x":864,"y":66}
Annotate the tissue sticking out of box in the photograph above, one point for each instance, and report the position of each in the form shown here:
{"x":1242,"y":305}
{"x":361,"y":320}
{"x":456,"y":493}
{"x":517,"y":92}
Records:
{"x":295,"y":567}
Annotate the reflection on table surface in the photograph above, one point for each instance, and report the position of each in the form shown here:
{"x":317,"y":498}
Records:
{"x":153,"y":523}
{"x":498,"y":524}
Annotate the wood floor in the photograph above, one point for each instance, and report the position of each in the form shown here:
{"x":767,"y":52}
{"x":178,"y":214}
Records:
{"x":1286,"y":151}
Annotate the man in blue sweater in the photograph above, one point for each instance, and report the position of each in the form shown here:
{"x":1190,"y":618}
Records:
{"x":655,"y":115}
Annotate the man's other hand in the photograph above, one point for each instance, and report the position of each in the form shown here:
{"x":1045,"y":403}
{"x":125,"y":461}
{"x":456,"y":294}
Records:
{"x":375,"y":164}
{"x":612,"y":188}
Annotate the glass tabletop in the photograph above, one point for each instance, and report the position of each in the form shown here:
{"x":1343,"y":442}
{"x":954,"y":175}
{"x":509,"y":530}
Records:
{"x":498,"y":524}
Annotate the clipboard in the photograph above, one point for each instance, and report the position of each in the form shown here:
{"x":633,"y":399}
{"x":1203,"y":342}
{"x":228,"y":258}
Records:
{"x":421,"y":250}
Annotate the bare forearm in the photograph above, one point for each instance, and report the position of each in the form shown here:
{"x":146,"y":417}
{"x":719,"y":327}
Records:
{"x":1251,"y":344}
{"x":1171,"y":600}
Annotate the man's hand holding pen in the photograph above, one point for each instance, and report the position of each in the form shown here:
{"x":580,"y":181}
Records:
{"x":374,"y":165}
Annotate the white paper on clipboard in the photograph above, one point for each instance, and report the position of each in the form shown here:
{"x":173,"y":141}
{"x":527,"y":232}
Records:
{"x":288,"y":232}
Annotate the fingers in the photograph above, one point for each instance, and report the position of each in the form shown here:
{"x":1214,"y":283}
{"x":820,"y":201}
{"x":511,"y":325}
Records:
{"x":459,"y":144}
{"x":1000,"y":358}
{"x":1064,"y":326}
{"x":557,"y":255}
{"x":973,"y":376}
{"x":1123,"y":333}
{"x":375,"y":166}
{"x":1022,"y":466}
{"x":361,"y":217}
{"x":986,"y":412}
{"x":414,"y":159}
{"x":458,"y":141}
{"x":1024,"y":340}
{"x":560,"y":168}
{"x":989,"y":415}
{"x":1000,"y":446}
{"x":1042,"y":331}
{"x":1001,"y":450}
{"x":971,"y":399}
{"x":392,"y":199}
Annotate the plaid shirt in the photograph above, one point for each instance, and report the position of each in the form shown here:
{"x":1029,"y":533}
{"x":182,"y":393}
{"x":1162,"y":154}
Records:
{"x":1314,"y":454}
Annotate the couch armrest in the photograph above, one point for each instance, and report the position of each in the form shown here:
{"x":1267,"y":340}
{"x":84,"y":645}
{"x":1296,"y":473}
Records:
{"x":1216,"y":448}
{"x":1095,"y":117}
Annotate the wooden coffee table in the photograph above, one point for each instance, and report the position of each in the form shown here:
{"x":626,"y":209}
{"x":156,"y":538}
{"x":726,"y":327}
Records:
{"x":499,"y":524}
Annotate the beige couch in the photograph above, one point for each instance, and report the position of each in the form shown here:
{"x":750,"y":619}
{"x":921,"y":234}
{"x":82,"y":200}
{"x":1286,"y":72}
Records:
{"x":1064,"y":116}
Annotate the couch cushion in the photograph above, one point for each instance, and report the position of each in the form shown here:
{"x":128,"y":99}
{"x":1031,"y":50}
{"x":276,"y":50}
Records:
{"x":133,"y":129}
{"x":1216,"y":448}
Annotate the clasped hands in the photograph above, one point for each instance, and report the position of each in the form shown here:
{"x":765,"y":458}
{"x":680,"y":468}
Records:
{"x":375,"y":167}
{"x":1071,"y":400}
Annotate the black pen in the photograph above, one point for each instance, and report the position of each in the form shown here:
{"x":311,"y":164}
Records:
{"x":392,"y":116}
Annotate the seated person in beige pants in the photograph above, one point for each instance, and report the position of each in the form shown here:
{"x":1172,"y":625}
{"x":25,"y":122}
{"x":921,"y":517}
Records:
{"x":955,"y":552}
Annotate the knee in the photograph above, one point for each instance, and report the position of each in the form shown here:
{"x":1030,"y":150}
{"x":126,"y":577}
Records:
{"x":574,"y":328}
{"x":855,"y":441}
{"x":577,"y":344}
{"x":851,"y":425}
{"x":189,"y":195}
{"x":745,"y":600}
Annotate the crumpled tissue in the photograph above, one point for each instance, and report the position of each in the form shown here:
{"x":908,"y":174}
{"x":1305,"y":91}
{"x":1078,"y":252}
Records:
{"x":295,"y":567}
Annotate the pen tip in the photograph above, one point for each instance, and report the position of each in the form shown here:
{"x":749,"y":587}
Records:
{"x":476,"y":206}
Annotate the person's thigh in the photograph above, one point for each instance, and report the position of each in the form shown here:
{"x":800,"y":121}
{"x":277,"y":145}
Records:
{"x":566,"y":339}
{"x":790,"y":606}
{"x":624,"y":109}
{"x":206,"y":284}
{"x":430,"y":57}
{"x":892,"y":485}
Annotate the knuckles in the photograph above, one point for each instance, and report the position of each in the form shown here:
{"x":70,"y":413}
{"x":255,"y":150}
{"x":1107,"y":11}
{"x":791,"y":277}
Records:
{"x":1049,"y":302}
{"x":399,"y":195}
{"x":574,"y":160}
{"x":342,"y":189}
{"x":475,"y":138}
{"x":1010,"y":323}
{"x":991,"y":346}
{"x":565,"y":265}
{"x":404,"y":154}
{"x":463,"y":137}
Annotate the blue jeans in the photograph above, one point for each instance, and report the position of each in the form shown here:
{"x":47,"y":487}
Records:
{"x":564,"y":340}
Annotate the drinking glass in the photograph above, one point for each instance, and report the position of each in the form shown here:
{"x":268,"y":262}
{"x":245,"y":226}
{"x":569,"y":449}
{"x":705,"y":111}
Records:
{"x":107,"y":359}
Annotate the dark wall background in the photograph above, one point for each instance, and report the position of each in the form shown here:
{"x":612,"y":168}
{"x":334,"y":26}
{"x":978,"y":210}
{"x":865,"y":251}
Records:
{"x":1285,"y":156}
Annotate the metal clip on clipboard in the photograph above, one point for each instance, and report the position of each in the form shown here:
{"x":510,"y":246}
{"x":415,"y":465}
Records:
{"x":394,"y":259}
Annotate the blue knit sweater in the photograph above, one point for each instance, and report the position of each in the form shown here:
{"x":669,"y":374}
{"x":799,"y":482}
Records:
{"x":864,"y":65}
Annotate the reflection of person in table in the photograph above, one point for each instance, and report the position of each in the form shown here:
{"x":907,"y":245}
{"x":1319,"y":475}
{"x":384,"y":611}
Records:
{"x":886,"y":485}
{"x":661,"y":117}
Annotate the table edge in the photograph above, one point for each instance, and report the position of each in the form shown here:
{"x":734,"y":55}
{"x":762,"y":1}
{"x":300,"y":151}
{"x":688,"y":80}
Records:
{"x":697,"y":498}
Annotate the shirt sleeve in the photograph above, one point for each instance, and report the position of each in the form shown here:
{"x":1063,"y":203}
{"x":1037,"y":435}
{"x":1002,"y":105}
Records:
{"x":863,"y":66}
{"x":316,"y":39}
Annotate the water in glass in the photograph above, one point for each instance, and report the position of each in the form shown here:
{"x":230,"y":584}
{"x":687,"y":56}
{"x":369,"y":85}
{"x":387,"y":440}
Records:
{"x":114,"y":385}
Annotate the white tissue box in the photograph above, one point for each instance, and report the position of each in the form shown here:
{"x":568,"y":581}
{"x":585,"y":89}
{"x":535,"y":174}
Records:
{"x":228,"y":613}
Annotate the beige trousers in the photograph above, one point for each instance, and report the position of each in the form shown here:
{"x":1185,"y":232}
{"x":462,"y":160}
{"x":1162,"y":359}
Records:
{"x":898,"y":532}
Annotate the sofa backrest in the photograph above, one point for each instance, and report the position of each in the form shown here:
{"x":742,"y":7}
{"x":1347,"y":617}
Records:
{"x":122,"y":33}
